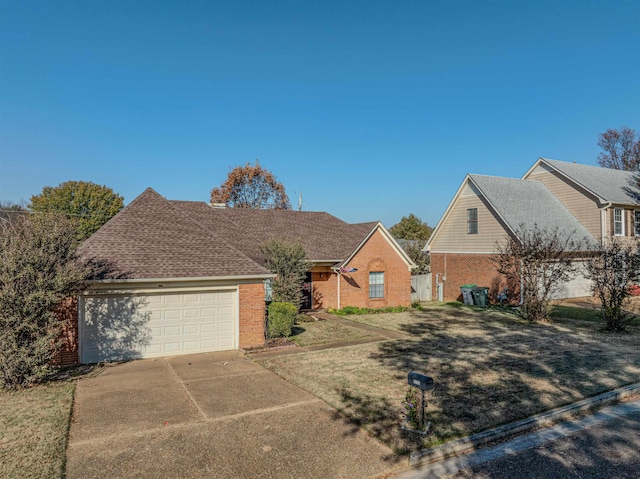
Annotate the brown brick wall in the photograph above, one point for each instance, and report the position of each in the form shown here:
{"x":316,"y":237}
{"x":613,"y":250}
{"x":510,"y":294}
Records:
{"x":68,"y":355}
{"x":376,"y":255}
{"x":252,"y":314}
{"x":459,"y":269}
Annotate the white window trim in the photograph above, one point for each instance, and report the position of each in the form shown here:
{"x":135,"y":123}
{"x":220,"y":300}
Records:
{"x":621,"y":221}
{"x":470,"y":222}
{"x":379,"y":274}
{"x":636,"y":223}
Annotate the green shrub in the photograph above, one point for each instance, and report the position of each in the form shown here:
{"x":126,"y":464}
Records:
{"x":356,"y":310}
{"x":282,"y":316}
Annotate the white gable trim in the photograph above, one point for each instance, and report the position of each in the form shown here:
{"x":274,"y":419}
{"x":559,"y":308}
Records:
{"x":546,"y":164}
{"x":468,"y":181}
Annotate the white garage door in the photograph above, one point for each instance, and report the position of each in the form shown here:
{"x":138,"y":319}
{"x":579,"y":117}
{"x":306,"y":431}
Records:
{"x":119,"y":327}
{"x":578,"y":287}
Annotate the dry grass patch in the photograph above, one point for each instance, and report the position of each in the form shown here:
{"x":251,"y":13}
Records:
{"x":34,"y":424}
{"x":489,"y":367}
{"x":323,"y":332}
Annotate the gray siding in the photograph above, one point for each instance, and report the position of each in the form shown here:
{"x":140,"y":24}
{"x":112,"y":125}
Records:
{"x":452,"y":235}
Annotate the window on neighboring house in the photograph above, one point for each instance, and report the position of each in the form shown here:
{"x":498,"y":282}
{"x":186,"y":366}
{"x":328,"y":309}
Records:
{"x":376,"y":284}
{"x":472,"y":221}
{"x":618,"y":222}
{"x":636,"y":222}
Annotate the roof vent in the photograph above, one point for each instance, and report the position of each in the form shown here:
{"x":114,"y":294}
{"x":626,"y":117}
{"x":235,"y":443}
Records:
{"x":218,"y":205}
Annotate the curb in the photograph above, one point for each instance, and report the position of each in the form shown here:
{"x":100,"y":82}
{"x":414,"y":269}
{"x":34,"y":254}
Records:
{"x":466,"y":444}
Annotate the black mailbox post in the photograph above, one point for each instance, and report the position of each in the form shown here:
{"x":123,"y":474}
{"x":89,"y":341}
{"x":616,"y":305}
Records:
{"x":424,"y":383}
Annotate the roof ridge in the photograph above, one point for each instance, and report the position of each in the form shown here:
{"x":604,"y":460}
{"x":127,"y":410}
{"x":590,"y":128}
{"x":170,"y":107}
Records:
{"x":148,"y":190}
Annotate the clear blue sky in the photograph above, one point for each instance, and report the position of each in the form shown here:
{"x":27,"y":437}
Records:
{"x":373,"y":110}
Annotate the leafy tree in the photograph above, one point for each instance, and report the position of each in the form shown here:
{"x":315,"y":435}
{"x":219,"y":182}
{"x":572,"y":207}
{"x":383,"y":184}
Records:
{"x":613,"y":269}
{"x":539,"y":261}
{"x":88,"y":206}
{"x":251,"y":186}
{"x":621,"y":149}
{"x":411,"y":228}
{"x":39,"y":268}
{"x":288,"y":260}
{"x":414,"y":249}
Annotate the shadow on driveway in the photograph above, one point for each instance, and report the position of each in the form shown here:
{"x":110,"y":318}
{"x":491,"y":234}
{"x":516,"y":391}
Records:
{"x":211,"y":415}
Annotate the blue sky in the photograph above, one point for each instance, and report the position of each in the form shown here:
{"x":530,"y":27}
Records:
{"x":371,"y":110}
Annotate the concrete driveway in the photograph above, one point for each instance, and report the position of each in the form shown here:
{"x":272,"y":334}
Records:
{"x":211,"y":415}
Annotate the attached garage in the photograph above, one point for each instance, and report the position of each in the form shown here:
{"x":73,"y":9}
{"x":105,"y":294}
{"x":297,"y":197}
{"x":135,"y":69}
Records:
{"x":578,"y":287}
{"x":126,"y":326}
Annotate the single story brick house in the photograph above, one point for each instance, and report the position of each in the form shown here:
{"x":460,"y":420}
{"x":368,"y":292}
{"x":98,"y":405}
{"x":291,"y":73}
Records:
{"x":194,"y":279}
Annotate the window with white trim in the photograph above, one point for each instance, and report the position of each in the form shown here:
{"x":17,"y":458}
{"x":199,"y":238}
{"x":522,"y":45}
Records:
{"x":618,"y":222}
{"x":636,"y":222}
{"x":376,"y":284}
{"x":472,"y":221}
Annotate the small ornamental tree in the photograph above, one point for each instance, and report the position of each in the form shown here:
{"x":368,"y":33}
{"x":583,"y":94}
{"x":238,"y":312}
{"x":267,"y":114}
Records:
{"x":422,"y":260}
{"x":612,"y":270}
{"x":251,"y":186}
{"x":86,"y":205}
{"x":38,"y":270}
{"x":539,"y":261}
{"x":288,"y":260}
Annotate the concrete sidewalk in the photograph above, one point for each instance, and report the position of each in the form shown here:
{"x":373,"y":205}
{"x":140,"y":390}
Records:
{"x":212,"y":415}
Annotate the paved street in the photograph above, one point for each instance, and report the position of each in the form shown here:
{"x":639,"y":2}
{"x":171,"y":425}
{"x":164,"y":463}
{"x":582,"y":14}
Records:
{"x":605,"y":445}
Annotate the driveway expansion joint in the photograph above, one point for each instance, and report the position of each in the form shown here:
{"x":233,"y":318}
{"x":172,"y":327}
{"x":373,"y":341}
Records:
{"x":186,"y":390}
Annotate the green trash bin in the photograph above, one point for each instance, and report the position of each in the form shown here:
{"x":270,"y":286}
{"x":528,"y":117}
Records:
{"x":467,"y":293}
{"x":480,"y":296}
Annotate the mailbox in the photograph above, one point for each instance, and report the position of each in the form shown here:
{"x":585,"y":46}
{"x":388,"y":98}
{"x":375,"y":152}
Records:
{"x":420,"y":381}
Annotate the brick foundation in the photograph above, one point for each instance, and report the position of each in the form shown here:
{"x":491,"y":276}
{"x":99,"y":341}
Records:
{"x":456,"y":269}
{"x":68,"y":355}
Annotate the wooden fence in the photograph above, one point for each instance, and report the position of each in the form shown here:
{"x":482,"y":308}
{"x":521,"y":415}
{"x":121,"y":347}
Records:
{"x":421,"y":287}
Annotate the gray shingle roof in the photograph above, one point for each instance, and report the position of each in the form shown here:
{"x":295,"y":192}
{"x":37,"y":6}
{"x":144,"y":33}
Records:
{"x":610,"y":185}
{"x":525,"y":203}
{"x":157,"y":238}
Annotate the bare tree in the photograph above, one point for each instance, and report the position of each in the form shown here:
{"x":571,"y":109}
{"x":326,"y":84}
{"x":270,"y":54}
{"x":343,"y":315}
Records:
{"x":539,"y":261}
{"x":621,"y":149}
{"x":251,"y":186}
{"x":613,"y":269}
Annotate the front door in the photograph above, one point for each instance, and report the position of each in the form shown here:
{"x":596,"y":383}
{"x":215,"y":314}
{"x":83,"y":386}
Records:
{"x":307,"y":296}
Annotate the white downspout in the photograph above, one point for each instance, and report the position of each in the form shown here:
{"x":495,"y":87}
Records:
{"x":338,"y":276}
{"x":603,"y":222}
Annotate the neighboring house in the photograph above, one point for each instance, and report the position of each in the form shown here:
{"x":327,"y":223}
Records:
{"x":195,"y":280}
{"x":588,"y":202}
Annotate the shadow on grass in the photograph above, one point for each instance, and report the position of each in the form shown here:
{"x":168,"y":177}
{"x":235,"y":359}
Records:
{"x":492,"y":370}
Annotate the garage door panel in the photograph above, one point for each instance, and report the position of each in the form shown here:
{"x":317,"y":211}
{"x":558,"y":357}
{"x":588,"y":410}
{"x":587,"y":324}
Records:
{"x":122,"y":327}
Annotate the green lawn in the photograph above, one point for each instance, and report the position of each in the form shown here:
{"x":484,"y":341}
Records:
{"x":34,"y":424}
{"x":490,"y":368}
